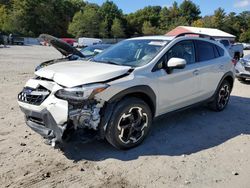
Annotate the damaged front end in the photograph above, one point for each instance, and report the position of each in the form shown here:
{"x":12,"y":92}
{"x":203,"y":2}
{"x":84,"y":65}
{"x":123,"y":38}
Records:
{"x":56,"y":112}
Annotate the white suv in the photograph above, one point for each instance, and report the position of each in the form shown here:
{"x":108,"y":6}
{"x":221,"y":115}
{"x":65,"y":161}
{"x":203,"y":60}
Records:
{"x":120,"y":91}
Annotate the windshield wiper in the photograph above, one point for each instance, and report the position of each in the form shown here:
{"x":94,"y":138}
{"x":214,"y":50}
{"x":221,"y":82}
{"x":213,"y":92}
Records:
{"x":107,"y":62}
{"x":110,"y":62}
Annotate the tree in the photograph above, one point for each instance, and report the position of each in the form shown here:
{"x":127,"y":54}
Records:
{"x":33,"y":17}
{"x":218,"y":18}
{"x":164,"y":18}
{"x":86,"y":23}
{"x":245,"y":36}
{"x":117,"y":29}
{"x":232,"y":24}
{"x":3,"y":18}
{"x":190,"y":11}
{"x":148,"y":29}
{"x":108,"y":12}
{"x":104,"y":29}
{"x":198,"y":23}
{"x":148,"y":14}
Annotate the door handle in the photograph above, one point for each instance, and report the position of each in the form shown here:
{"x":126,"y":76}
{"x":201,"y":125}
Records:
{"x":196,"y":72}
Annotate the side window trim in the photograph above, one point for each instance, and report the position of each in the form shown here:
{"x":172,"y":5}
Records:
{"x":216,"y":53}
{"x":196,"y":51}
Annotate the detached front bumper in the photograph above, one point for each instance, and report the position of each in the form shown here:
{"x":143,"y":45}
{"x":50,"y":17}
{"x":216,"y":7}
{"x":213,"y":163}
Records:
{"x":44,"y":113}
{"x":44,"y":124}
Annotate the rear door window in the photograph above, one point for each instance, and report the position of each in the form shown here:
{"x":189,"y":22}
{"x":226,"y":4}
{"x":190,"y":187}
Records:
{"x":205,"y":51}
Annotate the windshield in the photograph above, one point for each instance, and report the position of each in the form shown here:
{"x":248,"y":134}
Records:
{"x":133,"y":53}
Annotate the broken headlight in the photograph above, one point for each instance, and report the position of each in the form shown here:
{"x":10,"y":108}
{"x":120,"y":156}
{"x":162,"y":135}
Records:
{"x":81,"y":93}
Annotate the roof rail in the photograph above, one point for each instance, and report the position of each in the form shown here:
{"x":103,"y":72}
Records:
{"x":192,"y":33}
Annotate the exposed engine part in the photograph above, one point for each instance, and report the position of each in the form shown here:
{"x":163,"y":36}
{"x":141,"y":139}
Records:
{"x":88,"y":116}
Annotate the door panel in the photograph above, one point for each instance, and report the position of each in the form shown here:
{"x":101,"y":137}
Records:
{"x":178,"y":89}
{"x":211,"y":67}
{"x":211,"y":73}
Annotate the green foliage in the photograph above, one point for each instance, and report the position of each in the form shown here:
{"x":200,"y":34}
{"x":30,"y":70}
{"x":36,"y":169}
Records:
{"x":219,"y":18}
{"x":86,"y":23}
{"x":104,"y":29}
{"x":117,"y":29}
{"x":148,"y":29}
{"x":109,"y":12}
{"x":190,"y":11}
{"x":3,"y":18}
{"x":33,"y":17}
{"x":149,"y":14}
{"x":79,"y":18}
{"x":245,"y":36}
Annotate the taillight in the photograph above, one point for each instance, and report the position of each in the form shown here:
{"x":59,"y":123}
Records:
{"x":234,"y":61}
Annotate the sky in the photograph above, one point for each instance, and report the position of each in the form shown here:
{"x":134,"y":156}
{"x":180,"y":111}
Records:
{"x":207,"y":7}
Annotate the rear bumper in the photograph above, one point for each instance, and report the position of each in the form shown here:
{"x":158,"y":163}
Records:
{"x":44,"y":124}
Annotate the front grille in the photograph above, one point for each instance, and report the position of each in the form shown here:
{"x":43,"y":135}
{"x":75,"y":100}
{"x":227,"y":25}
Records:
{"x":33,"y":96}
{"x":247,"y":69}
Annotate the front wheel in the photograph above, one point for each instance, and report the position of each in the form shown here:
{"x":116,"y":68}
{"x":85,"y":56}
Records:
{"x":129,"y":123}
{"x":221,"y":97}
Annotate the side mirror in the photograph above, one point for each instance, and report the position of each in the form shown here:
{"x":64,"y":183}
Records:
{"x":176,"y":63}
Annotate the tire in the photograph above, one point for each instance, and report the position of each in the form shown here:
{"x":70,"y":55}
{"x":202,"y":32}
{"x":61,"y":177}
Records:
{"x":129,"y":123}
{"x":222,"y":97}
{"x":242,"y":79}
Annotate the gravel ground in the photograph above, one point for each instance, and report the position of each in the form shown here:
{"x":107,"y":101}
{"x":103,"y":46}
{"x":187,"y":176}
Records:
{"x":193,"y":148}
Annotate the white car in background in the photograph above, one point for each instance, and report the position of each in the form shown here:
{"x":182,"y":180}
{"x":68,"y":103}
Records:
{"x":246,"y":46}
{"x":84,"y":41}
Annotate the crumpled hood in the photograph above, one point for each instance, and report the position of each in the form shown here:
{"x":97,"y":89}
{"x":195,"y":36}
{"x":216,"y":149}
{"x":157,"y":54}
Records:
{"x":78,"y":73}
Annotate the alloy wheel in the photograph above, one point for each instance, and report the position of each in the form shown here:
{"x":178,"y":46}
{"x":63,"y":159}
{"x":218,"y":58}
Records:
{"x":224,"y":95}
{"x":132,"y":124}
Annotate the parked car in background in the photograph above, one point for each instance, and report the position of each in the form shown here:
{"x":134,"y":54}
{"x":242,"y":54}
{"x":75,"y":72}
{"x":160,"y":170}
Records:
{"x":2,"y":42}
{"x":246,"y":46}
{"x":236,"y":51}
{"x":242,"y":68}
{"x":69,"y":52}
{"x":70,"y":41}
{"x":83,"y":42}
{"x":15,"y":39}
{"x":119,"y":92}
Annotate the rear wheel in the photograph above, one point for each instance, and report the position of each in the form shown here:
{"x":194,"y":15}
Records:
{"x":129,"y":123}
{"x":221,"y":97}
